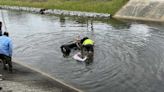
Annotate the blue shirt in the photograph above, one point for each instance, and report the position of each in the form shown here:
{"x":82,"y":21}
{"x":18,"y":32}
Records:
{"x":5,"y":46}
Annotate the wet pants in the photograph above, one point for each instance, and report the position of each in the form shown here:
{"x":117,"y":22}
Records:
{"x":6,"y":60}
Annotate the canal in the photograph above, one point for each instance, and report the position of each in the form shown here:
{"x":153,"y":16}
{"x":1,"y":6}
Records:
{"x":128,"y":57}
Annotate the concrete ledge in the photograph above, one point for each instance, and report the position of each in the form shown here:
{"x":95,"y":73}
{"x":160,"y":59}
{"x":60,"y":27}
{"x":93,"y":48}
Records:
{"x":137,"y":18}
{"x":25,"y":79}
{"x":57,"y":12}
{"x":144,"y":10}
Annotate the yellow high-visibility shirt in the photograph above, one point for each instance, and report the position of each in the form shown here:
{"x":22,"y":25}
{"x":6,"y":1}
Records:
{"x":88,"y":42}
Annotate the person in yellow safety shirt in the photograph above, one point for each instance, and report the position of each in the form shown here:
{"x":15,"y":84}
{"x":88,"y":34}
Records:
{"x":87,"y":44}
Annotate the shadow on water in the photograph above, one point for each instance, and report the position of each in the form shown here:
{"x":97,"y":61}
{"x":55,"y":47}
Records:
{"x":128,"y":56}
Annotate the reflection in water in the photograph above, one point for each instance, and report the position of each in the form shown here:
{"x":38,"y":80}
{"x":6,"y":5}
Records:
{"x":128,"y":57}
{"x":91,"y":25}
{"x":62,"y":21}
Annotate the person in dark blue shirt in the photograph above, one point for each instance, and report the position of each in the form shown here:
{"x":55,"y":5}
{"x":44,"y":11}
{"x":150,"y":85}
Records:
{"x":6,"y":50}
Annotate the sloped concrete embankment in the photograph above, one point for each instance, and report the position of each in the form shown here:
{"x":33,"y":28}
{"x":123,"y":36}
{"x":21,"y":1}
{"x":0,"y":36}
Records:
{"x":26,"y":79}
{"x":147,"y":10}
{"x":57,"y":12}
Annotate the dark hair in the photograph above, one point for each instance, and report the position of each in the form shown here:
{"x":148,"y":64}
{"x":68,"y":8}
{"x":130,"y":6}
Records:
{"x":82,"y":40}
{"x":0,"y":25}
{"x":6,"y":33}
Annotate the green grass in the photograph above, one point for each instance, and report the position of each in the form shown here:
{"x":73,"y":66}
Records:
{"x":100,"y":6}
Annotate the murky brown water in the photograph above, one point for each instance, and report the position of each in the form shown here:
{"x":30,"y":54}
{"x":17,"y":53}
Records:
{"x":129,"y":57}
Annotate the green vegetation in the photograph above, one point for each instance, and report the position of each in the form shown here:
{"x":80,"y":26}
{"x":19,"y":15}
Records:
{"x":100,"y":6}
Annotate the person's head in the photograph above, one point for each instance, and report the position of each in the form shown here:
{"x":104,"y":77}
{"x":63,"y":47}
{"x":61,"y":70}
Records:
{"x":82,"y":40}
{"x":6,"y":33}
{"x":85,"y":38}
{"x":0,"y":25}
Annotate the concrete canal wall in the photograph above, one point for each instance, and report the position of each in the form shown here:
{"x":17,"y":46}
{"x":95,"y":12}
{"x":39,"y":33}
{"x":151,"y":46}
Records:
{"x":147,"y":10}
{"x":57,"y":12}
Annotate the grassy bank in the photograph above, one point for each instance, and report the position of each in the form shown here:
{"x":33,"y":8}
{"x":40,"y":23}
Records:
{"x":100,"y":6}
